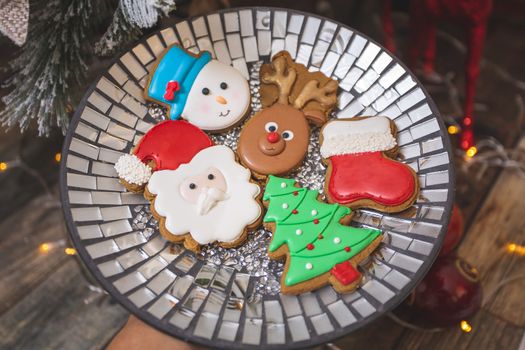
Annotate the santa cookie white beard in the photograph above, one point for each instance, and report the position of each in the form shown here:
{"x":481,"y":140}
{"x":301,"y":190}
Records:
{"x":209,"y":199}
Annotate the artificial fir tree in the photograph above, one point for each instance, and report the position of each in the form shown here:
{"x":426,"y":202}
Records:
{"x":320,"y":249}
{"x":48,"y":74}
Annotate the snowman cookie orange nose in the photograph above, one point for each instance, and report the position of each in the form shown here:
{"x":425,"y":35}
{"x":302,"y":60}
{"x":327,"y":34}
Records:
{"x":221,"y":100}
{"x":273,"y":137}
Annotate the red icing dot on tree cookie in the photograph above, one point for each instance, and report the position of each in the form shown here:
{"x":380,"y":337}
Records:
{"x":295,"y":193}
{"x":309,"y":246}
{"x":347,"y":249}
{"x":320,"y":236}
{"x":316,"y":221}
{"x":295,"y":211}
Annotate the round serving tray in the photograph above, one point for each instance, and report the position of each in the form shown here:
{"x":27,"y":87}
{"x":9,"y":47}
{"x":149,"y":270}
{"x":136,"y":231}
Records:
{"x":210,"y":301}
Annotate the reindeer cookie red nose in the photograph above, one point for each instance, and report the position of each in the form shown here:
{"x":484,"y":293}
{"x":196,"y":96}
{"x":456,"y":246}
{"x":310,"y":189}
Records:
{"x":273,"y":137}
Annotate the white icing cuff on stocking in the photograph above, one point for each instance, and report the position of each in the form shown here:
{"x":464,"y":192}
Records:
{"x":130,"y":168}
{"x":357,"y":143}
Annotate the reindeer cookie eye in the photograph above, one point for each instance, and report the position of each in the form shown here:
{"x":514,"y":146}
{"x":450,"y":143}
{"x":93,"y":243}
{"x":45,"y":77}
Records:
{"x":287,"y":135}
{"x":271,"y":126}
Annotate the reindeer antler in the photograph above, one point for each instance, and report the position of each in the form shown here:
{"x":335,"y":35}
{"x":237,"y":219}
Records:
{"x":325,"y":96}
{"x":284,"y":80}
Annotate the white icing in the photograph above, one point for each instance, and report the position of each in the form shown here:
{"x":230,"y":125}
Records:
{"x":309,"y":266}
{"x":285,"y":205}
{"x":130,"y":168}
{"x":283,"y":184}
{"x":298,"y":232}
{"x":314,"y":212}
{"x":337,"y":240}
{"x":227,"y":219}
{"x":357,"y":136}
{"x":210,"y":112}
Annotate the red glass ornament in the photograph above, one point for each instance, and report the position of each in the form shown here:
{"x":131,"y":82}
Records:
{"x":454,"y":232}
{"x":449,"y":293}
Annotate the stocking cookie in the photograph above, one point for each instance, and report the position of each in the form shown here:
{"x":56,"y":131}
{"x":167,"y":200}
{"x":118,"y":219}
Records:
{"x":360,"y":172}
{"x":314,"y":238}
{"x":198,"y":192}
{"x":208,"y":93}
{"x":275,"y":140}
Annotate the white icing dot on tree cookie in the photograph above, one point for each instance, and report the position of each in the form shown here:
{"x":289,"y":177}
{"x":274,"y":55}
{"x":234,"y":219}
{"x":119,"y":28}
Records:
{"x":309,"y":266}
{"x":285,"y":206}
{"x":298,"y":232}
{"x":337,"y":240}
{"x":314,"y":212}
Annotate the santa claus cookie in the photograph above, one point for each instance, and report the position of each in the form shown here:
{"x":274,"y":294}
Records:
{"x":198,"y":192}
{"x":314,"y":238}
{"x":275,"y":140}
{"x":208,"y":93}
{"x":361,"y":171}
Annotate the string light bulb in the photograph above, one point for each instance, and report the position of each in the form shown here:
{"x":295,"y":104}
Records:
{"x":58,"y":157}
{"x":70,"y":251}
{"x":465,"y":326}
{"x":471,"y":151}
{"x":44,"y":247}
{"x":453,"y":129}
{"x":3,"y":166}
{"x":513,"y":248}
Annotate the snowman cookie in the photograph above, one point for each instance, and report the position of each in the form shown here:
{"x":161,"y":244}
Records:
{"x":361,"y":171}
{"x":198,"y":192}
{"x":209,"y":94}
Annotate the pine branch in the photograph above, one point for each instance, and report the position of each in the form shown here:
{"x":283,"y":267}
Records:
{"x":50,"y":65}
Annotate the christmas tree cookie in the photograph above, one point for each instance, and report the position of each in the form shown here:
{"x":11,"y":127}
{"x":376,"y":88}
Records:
{"x":313,"y":237}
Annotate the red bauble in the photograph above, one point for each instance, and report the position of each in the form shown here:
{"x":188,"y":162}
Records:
{"x":449,"y":293}
{"x":454,"y":232}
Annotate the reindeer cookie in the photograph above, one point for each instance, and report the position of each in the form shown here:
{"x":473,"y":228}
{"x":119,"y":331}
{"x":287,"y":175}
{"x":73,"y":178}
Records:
{"x":275,"y":140}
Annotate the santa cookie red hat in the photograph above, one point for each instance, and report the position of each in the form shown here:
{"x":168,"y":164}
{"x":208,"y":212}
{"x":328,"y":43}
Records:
{"x":164,"y":147}
{"x":357,"y":136}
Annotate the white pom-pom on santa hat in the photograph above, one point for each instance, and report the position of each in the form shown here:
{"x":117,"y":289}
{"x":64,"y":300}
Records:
{"x":130,"y":168}
{"x":357,"y":136}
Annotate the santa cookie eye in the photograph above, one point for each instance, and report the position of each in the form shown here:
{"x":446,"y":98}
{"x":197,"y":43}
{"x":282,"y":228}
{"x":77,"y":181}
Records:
{"x":224,"y":86}
{"x":211,"y":176}
{"x":287,"y":135}
{"x":271,"y":126}
{"x":205,"y":91}
{"x":192,"y":186}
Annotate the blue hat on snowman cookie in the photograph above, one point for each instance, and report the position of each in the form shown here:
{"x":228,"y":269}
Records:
{"x":171,"y":82}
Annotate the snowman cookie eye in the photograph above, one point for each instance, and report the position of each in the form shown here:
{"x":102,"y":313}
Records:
{"x":287,"y":135}
{"x":192,"y":186}
{"x":211,"y":176}
{"x":271,"y":126}
{"x":205,"y":91}
{"x":224,"y":86}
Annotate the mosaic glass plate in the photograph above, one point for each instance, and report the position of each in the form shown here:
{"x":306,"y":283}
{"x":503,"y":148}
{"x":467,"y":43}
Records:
{"x":230,"y":298}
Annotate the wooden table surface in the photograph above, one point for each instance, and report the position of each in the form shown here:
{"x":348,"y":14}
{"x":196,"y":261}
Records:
{"x":47,"y":301}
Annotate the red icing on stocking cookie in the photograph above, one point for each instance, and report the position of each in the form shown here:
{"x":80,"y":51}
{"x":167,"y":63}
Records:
{"x":360,"y":174}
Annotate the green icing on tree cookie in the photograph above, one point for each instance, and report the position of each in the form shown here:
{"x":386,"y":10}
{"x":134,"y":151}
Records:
{"x":311,"y":229}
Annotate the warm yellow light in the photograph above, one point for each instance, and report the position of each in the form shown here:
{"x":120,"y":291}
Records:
{"x":44,"y":247}
{"x":465,"y":326}
{"x":471,"y":152}
{"x":513,"y":248}
{"x":58,"y":156}
{"x":3,"y":166}
{"x":70,"y":251}
{"x":452,"y":129}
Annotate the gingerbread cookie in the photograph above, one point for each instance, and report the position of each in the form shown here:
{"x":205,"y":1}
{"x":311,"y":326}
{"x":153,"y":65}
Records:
{"x":275,"y":140}
{"x":206,"y":92}
{"x":360,"y":172}
{"x":198,"y":192}
{"x":313,"y":238}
